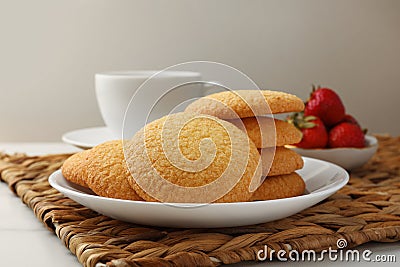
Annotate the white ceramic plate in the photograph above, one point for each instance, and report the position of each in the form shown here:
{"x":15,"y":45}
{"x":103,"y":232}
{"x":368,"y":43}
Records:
{"x":88,"y":137}
{"x":346,"y":157}
{"x":322,"y":180}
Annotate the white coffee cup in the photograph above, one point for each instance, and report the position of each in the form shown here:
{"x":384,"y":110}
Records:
{"x":115,"y":89}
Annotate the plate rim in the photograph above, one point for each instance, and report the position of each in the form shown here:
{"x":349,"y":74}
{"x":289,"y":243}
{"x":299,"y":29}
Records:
{"x":311,"y":195}
{"x":372,"y":145}
{"x":66,"y":139}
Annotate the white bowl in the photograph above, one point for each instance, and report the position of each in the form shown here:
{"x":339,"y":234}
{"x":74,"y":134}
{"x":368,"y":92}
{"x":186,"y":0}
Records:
{"x":348,"y":158}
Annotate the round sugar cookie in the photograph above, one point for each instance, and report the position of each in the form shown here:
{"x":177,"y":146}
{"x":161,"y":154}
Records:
{"x":281,"y":186}
{"x":245,"y":103}
{"x":285,"y":133}
{"x":191,"y":158}
{"x":74,"y":168}
{"x":107,"y":174}
{"x":285,"y":161}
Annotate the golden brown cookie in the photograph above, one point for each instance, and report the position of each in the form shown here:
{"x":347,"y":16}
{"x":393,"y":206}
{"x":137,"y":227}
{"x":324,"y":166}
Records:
{"x":285,"y":133}
{"x":281,"y":186}
{"x":246,"y":103}
{"x":192,"y":158}
{"x":285,"y":161}
{"x":107,"y":174}
{"x":74,"y":168}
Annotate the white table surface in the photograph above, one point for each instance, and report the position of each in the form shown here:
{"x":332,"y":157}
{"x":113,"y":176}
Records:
{"x":24,"y":241}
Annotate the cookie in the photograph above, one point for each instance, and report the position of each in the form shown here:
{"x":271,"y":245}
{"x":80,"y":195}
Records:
{"x":285,"y":133}
{"x":74,"y":168}
{"x":246,"y":103}
{"x":191,"y":158}
{"x":107,"y":174}
{"x":285,"y":161}
{"x":281,"y":186}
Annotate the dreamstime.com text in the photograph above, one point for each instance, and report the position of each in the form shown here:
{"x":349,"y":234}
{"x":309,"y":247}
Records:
{"x":329,"y":254}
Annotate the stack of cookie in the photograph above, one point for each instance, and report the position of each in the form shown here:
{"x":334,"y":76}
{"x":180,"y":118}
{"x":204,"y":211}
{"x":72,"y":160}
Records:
{"x":201,"y":155}
{"x":247,"y":110}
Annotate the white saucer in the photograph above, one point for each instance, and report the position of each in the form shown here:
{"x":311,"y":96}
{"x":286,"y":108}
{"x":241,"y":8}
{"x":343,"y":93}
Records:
{"x":322,"y":180}
{"x":88,"y":137}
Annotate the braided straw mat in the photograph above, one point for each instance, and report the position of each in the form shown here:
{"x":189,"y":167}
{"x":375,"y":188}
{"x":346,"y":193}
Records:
{"x":367,"y":209}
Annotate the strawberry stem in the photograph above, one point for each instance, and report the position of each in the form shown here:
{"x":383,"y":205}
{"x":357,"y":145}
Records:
{"x":301,"y":122}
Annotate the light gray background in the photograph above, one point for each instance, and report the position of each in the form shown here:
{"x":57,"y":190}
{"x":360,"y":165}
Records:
{"x":50,"y":50}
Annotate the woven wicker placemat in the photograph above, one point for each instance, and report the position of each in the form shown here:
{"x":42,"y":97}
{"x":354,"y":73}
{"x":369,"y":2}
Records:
{"x":367,"y":209}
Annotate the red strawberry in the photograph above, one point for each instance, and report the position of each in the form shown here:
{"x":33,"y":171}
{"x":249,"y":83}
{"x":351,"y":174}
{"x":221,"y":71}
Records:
{"x":346,"y":134}
{"x":325,"y":104}
{"x":350,"y":119}
{"x":313,"y":129}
